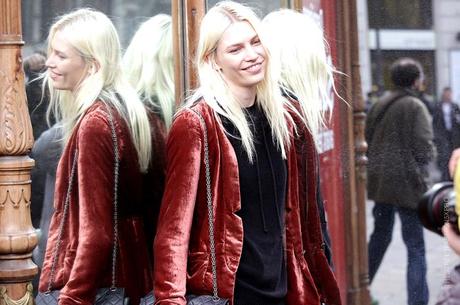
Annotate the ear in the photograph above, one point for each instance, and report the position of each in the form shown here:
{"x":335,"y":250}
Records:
{"x":212,"y":60}
{"x":94,"y":67}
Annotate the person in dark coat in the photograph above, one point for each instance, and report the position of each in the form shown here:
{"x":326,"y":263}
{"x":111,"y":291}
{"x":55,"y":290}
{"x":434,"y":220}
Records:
{"x":426,"y":98}
{"x":399,"y":135}
{"x":37,"y":98}
{"x":46,"y":152}
{"x":446,"y":127}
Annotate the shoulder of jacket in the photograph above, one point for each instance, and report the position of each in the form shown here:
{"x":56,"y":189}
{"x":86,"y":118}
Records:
{"x":410,"y":101}
{"x":186,"y":119}
{"x":97,"y":120}
{"x":97,"y":110}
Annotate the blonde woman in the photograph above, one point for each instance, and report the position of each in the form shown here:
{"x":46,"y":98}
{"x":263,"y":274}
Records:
{"x":261,"y":162}
{"x":88,"y":94}
{"x":149,"y":66}
{"x":297,"y":43}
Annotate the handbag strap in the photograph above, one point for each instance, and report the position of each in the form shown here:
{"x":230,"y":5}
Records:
{"x":209,"y":203}
{"x":115,"y":207}
{"x":116,"y":171}
{"x":381,"y":114}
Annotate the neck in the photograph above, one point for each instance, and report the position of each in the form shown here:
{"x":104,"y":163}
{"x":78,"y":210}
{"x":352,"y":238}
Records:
{"x":245,"y":96}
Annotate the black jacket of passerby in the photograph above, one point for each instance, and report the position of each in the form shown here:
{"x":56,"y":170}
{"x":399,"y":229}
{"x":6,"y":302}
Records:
{"x":446,"y":140}
{"x":37,"y":105}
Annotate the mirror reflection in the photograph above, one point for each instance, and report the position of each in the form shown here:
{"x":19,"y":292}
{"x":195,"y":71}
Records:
{"x":156,"y":88}
{"x":144,"y":30}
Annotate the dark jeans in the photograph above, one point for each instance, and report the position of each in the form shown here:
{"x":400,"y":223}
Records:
{"x":412,"y":233}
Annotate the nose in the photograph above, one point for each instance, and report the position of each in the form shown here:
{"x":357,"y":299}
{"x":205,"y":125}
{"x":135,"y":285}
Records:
{"x":251,"y":53}
{"x":49,"y":62}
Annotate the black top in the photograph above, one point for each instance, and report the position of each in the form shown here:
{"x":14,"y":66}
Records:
{"x":261,"y":278}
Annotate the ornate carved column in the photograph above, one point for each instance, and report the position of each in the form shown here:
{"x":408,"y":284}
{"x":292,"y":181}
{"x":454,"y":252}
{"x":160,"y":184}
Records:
{"x":17,"y":236}
{"x":357,"y":270}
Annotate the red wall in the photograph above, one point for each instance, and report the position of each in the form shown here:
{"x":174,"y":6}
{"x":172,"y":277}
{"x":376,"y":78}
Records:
{"x":331,"y":170}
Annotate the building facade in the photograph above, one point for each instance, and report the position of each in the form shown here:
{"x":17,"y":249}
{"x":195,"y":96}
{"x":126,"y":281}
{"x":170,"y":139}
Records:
{"x":427,"y":30}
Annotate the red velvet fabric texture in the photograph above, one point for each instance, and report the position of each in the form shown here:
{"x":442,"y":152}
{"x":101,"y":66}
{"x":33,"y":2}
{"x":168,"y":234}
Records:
{"x":182,"y":256}
{"x":85,"y":255}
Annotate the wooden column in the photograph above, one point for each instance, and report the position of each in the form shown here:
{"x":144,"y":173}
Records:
{"x":186,"y":16}
{"x":355,"y":212}
{"x":293,"y":4}
{"x":17,"y":236}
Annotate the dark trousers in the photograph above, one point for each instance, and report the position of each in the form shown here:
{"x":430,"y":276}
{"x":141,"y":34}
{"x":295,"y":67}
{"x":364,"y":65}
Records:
{"x":412,"y":233}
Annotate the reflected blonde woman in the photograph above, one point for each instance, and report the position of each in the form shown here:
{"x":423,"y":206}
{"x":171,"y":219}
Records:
{"x":149,"y":66}
{"x":89,"y":94}
{"x":260,"y":160}
{"x":298,"y":44}
{"x":306,"y":75}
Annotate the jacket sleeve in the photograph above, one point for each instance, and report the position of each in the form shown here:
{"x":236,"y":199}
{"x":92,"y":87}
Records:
{"x":176,"y":213}
{"x":95,"y":172}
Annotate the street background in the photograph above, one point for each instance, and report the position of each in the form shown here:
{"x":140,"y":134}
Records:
{"x":389,"y":286}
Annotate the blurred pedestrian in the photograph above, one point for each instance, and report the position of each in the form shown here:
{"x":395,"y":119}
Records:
{"x":399,"y":135}
{"x":446,"y":127}
{"x":426,"y":98}
{"x":46,"y":152}
{"x":37,"y":95}
{"x":371,"y":98}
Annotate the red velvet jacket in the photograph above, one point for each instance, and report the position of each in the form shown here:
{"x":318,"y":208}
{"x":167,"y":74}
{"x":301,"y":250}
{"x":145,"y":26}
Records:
{"x":182,"y":257}
{"x":85,"y":255}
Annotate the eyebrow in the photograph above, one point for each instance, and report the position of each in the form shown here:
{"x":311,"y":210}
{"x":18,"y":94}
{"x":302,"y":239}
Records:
{"x":240,"y":43}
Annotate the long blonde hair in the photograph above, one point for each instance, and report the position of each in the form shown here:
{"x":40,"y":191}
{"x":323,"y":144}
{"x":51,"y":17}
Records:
{"x":216,"y":91}
{"x":94,"y":37}
{"x":298,"y":43}
{"x":149,"y":65}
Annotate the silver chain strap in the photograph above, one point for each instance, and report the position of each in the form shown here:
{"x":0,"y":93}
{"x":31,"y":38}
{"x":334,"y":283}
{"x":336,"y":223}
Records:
{"x":115,"y":198}
{"x":115,"y":208}
{"x":210,"y":210}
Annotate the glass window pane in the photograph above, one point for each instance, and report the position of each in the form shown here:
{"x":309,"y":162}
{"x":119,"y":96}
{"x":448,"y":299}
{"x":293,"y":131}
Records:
{"x":426,"y":58}
{"x":127,"y":15}
{"x":396,"y":14}
{"x":262,"y":7}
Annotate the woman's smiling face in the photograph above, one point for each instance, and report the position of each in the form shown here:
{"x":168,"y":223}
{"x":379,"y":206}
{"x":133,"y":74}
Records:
{"x":240,"y":56}
{"x":66,"y":67}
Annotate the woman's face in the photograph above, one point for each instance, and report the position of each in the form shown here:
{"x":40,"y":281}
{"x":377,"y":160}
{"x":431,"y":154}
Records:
{"x":66,"y":67}
{"x":240,"y":56}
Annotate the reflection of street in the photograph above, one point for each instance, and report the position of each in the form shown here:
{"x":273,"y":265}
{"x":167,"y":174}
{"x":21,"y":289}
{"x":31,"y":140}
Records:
{"x":389,"y":286}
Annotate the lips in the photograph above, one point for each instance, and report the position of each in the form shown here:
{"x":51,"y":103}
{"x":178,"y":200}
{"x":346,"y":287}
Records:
{"x":254,"y":68}
{"x":54,"y":75}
